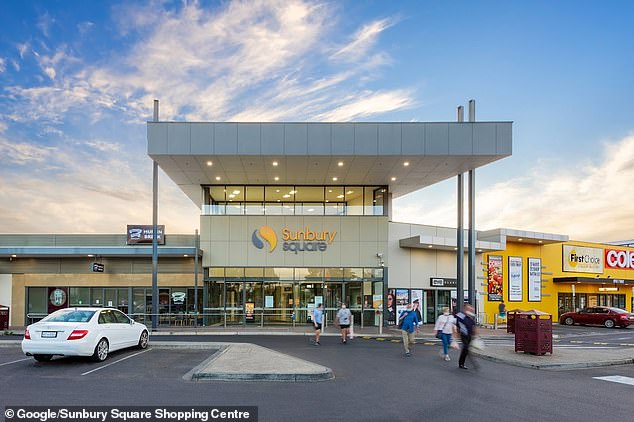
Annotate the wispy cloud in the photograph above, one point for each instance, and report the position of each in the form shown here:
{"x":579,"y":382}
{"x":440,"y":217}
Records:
{"x":587,"y":201}
{"x":3,"y":65}
{"x":363,"y":40}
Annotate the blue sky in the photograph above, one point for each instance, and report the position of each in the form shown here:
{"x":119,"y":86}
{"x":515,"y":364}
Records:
{"x":78,"y":79}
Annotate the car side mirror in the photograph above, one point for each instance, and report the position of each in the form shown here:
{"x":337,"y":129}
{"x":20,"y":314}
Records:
{"x":131,"y":322}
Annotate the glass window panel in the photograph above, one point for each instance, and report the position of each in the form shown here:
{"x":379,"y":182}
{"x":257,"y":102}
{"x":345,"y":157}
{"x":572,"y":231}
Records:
{"x":235,"y":209}
{"x":122,"y":300}
{"x":234,"y":272}
{"x":235,"y":193}
{"x":354,"y":200}
{"x":288,"y":209}
{"x":284,"y":273}
{"x":217,"y":193}
{"x":255,"y":193}
{"x":275,"y":193}
{"x":334,"y":194}
{"x":97,"y":296}
{"x":38,"y":300}
{"x":334,"y":274}
{"x":217,"y":272}
{"x":79,"y":296}
{"x":308,"y":208}
{"x":353,"y":273}
{"x":215,"y":294}
{"x":309,"y":273}
{"x":251,"y":208}
{"x":254,"y":272}
{"x":309,"y":193}
{"x":273,"y":208}
{"x":335,"y":209}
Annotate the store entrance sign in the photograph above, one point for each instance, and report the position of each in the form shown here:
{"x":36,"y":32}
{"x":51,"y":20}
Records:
{"x":619,"y":259}
{"x":582,"y":259}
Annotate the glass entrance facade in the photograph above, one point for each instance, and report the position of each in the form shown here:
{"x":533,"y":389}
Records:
{"x":287,"y":296}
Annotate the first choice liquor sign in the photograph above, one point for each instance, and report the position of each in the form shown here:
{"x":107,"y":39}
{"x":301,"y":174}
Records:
{"x":143,"y":234}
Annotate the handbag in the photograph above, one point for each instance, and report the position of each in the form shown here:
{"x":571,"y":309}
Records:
{"x":439,"y":332}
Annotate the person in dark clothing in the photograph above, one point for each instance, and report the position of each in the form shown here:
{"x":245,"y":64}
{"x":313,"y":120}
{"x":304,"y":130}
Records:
{"x":466,"y":329}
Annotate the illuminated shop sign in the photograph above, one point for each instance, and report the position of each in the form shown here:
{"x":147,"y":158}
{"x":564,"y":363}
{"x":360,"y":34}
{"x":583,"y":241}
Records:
{"x":294,"y":241}
{"x":619,"y":259}
{"x":582,"y":259}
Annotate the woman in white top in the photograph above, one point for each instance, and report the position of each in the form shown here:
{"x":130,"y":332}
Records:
{"x":445,"y":324}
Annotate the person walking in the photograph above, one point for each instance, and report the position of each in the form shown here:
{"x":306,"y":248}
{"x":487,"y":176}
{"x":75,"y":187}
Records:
{"x":318,"y":319}
{"x":466,"y":329}
{"x":409,"y":327}
{"x":343,"y":317}
{"x":502,"y":310}
{"x":445,"y":326}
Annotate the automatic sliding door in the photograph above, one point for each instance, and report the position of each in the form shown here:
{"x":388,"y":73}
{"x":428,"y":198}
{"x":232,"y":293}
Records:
{"x":234,"y":303}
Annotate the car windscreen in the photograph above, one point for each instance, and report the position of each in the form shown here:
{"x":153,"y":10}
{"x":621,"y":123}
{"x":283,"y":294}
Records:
{"x":72,"y":316}
{"x":619,"y":310}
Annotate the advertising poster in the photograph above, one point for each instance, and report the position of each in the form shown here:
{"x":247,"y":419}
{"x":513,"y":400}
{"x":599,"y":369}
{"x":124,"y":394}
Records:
{"x":495,"y":281}
{"x":377,"y":301}
{"x":249,"y":308}
{"x":390,"y":307}
{"x":515,"y":279}
{"x":417,"y":303}
{"x":402,"y":299}
{"x":534,"y":279}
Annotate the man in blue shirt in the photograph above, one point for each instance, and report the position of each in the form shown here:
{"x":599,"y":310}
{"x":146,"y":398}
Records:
{"x":318,"y":319}
{"x":409,"y":327}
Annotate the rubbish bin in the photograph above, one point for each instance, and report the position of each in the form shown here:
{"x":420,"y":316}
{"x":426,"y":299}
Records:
{"x":510,"y":320}
{"x":4,"y":317}
{"x":534,"y":332}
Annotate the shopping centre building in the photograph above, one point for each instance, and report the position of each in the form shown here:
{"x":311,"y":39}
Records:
{"x":297,"y":214}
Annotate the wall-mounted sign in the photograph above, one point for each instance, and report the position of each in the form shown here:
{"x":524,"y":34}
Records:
{"x":495,"y":286}
{"x":515,"y":279}
{"x":619,"y":259}
{"x":143,"y":234}
{"x":98,"y":267}
{"x":443,"y":282}
{"x":294,"y":241}
{"x":534,"y":279}
{"x":581,"y":259}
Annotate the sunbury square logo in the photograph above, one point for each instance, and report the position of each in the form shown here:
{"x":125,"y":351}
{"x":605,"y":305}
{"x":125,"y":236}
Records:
{"x":294,"y":241}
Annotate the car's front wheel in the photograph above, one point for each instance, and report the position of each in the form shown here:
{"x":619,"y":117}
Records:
{"x":101,"y":351}
{"x":42,"y":358}
{"x":143,"y":340}
{"x":608,"y":323}
{"x":569,"y":321}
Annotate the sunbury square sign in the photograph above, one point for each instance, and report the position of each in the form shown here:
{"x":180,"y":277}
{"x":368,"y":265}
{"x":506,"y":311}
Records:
{"x":294,"y":241}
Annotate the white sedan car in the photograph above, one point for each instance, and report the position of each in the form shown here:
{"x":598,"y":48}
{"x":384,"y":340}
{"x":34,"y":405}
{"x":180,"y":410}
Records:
{"x":83,"y":332}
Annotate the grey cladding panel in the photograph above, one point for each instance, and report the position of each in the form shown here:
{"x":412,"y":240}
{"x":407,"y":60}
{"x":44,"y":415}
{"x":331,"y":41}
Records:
{"x":484,"y":139}
{"x":318,"y":139}
{"x":436,"y":138}
{"x":366,"y":139}
{"x":342,"y":138}
{"x":225,"y":138}
{"x":413,"y":138}
{"x":295,"y":138}
{"x":202,"y":138}
{"x":249,"y":139}
{"x":504,"y":138}
{"x":157,"y":138}
{"x":461,"y":139}
{"x":389,"y":138}
{"x":178,"y":138}
{"x":272,"y":138}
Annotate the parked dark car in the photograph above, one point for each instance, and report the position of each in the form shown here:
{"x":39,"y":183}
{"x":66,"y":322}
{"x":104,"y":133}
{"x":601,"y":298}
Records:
{"x":599,"y":315}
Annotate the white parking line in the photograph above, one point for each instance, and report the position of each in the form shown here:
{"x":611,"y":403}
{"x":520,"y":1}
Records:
{"x":617,"y":378}
{"x":15,"y":361}
{"x":116,"y":361}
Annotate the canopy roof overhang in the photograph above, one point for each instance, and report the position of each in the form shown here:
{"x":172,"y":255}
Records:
{"x":403,"y":156}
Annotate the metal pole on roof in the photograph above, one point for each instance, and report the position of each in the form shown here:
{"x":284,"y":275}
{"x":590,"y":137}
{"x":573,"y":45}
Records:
{"x":460,"y":234}
{"x":472,"y":235}
{"x":196,"y":243}
{"x":155,"y":232}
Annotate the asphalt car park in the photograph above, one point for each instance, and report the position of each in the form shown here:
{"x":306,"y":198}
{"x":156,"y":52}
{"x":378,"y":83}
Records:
{"x":152,"y":363}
